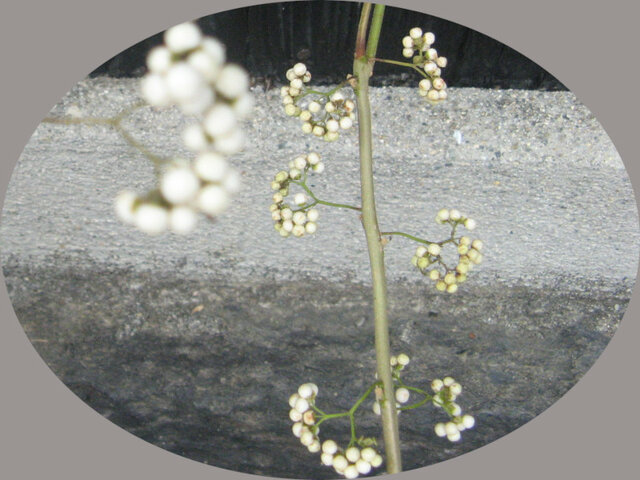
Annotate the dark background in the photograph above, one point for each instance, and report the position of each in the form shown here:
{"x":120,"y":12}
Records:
{"x":269,"y":39}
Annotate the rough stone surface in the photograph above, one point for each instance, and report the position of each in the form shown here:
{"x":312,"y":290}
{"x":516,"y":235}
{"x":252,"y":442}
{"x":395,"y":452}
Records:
{"x":113,"y":313}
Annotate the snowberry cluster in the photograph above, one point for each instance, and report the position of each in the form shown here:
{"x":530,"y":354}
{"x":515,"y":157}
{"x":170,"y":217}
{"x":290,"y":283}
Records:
{"x":428,"y":259}
{"x":402,"y":394}
{"x":446,"y":390}
{"x":350,"y":462}
{"x":325,"y":114}
{"x":418,"y":47}
{"x":189,"y":71}
{"x":302,"y":217}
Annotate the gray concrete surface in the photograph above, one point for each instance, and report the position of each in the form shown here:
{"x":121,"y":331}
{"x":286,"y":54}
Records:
{"x":112,"y":311}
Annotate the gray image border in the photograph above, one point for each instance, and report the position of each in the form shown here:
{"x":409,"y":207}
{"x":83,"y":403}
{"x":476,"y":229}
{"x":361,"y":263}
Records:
{"x":47,"y":432}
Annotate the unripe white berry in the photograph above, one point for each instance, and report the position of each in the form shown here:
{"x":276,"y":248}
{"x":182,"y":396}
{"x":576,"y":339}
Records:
{"x":368,"y":454}
{"x":220,"y":120}
{"x":194,"y":138}
{"x":155,"y":91}
{"x":310,"y":227}
{"x":305,"y":391}
{"x":295,"y":415}
{"x":179,"y":185}
{"x":407,"y":42}
{"x":443,"y":214}
{"x":440,"y":430}
{"x":456,"y":410}
{"x":297,"y":429}
{"x":425,"y":84}
{"x":402,"y":395}
{"x":420,"y":251}
{"x":318,"y":167}
{"x":151,"y":219}
{"x":439,"y":83}
{"x":451,"y":428}
{"x":363,"y":466}
{"x":318,"y":131}
{"x":299,"y":218}
{"x":340,"y":463}
{"x":290,"y":74}
{"x":403,"y":359}
{"x":430,"y":67}
{"x":298,"y":230}
{"x":213,"y":199}
{"x":290,"y":109}
{"x":441,"y":62}
{"x":436,"y":385}
{"x":313,"y":215}
{"x":215,"y":49}
{"x":434,"y":249}
{"x":470,"y":224}
{"x":205,"y":64}
{"x":314,"y":447}
{"x":232,"y":181}
{"x":305,"y":115}
{"x":233,"y":81}
{"x":300,"y":199}
{"x":183,"y":37}
{"x":287,"y":226}
{"x":454,"y":437}
{"x":124,"y":206}
{"x":182,"y":220}
{"x":434,"y":275}
{"x":376,"y":408}
{"x":433,"y":95}
{"x":468,"y":421}
{"x":329,"y":446}
{"x":243,"y":106}
{"x":455,"y":388}
{"x":307,"y":438}
{"x":376,"y":461}
{"x":307,"y":127}
{"x":299,"y":69}
{"x":296,"y":83}
{"x":314,"y":107}
{"x":300,"y":163}
{"x":330,"y":107}
{"x":337,"y":97}
{"x":231,"y":143}
{"x":327,"y":459}
{"x":184,"y":82}
{"x":346,"y":123}
{"x":211,"y":166}
{"x":159,"y":60}
{"x":407,"y":52}
{"x":432,"y":54}
{"x":415,"y":33}
{"x":448,"y":381}
{"x":429,"y":38}
{"x":352,"y":454}
{"x":332,"y":125}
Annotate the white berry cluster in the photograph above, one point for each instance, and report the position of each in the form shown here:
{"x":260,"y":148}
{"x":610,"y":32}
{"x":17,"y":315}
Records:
{"x":186,"y":189}
{"x":302,"y":218}
{"x":350,"y":462}
{"x":428,"y":259}
{"x":189,"y":71}
{"x":325,"y":115}
{"x":446,"y":390}
{"x":402,"y":394}
{"x":418,"y":47}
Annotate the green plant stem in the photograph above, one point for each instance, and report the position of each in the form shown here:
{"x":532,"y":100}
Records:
{"x":415,"y":239}
{"x":116,"y":123}
{"x":362,"y":69}
{"x":402,"y":64}
{"x":322,"y":202}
